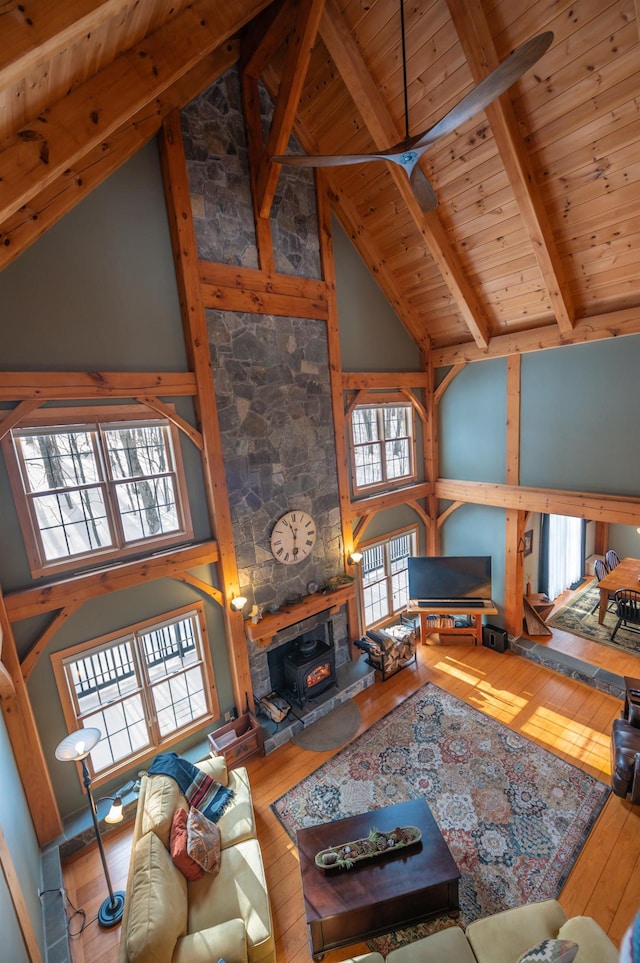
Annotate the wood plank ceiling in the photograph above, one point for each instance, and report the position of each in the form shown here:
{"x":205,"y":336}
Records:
{"x":536,"y":238}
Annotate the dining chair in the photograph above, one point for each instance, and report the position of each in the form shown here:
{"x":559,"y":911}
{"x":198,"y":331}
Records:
{"x":611,"y":559}
{"x":600,"y":569}
{"x":628,"y":610}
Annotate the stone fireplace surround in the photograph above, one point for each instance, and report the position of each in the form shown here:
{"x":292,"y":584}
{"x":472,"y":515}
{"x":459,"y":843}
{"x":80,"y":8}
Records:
{"x":352,"y":677}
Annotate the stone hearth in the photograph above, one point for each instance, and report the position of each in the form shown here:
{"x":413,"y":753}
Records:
{"x":352,"y":676}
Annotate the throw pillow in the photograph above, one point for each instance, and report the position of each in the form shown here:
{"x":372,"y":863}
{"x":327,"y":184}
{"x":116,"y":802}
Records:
{"x":203,"y":842}
{"x":178,"y":846}
{"x":550,"y":951}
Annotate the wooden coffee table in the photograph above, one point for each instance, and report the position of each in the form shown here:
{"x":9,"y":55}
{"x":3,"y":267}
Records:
{"x":377,"y":896}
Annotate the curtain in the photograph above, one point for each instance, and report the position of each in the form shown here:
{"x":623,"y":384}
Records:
{"x":564,"y":553}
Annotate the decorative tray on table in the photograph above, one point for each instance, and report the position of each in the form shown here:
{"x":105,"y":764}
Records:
{"x":377,"y":843}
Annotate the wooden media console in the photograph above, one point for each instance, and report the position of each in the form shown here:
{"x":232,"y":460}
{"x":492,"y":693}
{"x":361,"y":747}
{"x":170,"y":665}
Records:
{"x":473,"y":630}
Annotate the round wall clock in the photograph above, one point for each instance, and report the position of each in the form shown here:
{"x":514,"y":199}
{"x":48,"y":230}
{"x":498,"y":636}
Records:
{"x":293,"y":537}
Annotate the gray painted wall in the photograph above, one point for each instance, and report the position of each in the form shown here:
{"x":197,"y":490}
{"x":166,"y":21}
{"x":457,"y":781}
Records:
{"x":98,"y":292}
{"x":474,"y":410}
{"x":372,"y":337}
{"x":25,"y":854}
{"x":579,"y":408}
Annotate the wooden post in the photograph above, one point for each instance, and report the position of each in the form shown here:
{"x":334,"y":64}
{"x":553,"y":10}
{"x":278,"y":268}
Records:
{"x":185,"y":254}
{"x":515,"y":519}
{"x":431,"y":456}
{"x":25,"y":742}
{"x":337,"y":397}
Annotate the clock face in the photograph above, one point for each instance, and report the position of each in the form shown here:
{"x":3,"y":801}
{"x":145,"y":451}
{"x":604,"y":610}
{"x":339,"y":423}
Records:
{"x":293,"y":537}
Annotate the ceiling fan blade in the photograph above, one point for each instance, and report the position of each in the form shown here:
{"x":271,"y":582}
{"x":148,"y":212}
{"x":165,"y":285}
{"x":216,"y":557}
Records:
{"x":424,"y":192}
{"x":407,"y":153}
{"x":495,"y":84}
{"x":324,"y":160}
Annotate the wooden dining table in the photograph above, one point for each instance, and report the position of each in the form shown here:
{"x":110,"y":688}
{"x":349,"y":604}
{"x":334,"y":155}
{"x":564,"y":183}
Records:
{"x":626,"y":575}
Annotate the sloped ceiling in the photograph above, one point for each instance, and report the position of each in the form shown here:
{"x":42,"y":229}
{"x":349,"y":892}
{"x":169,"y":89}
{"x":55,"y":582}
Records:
{"x":536,"y":238}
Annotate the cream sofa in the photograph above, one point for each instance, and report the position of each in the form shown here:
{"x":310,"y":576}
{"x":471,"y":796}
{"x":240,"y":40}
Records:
{"x":503,"y":938}
{"x":170,"y":920}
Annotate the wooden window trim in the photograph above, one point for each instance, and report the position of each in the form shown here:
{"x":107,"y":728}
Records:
{"x":371,"y":543}
{"x":58,"y":660}
{"x":379,"y":403}
{"x":92,"y":417}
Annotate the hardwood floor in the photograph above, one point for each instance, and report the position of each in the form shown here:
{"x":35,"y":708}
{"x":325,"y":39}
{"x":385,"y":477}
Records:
{"x":568,"y":717}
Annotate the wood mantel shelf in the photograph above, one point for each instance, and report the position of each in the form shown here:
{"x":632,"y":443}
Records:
{"x":262,"y":632}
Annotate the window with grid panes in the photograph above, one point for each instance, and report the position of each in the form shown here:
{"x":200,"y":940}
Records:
{"x":142,"y":688}
{"x":96,"y":490}
{"x":382,"y":446}
{"x":384,"y":576}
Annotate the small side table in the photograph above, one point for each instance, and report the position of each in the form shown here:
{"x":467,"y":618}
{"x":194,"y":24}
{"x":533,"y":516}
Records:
{"x":631,"y":710}
{"x":237,"y":740}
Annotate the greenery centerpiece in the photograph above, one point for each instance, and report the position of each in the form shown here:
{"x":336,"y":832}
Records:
{"x":376,"y":844}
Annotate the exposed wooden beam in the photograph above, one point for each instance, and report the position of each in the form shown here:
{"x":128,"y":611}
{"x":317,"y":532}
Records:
{"x":449,"y":510}
{"x":187,"y":267}
{"x":255,"y":151}
{"x":512,"y":446}
{"x":166,"y":411}
{"x":70,"y":128}
{"x":7,"y":688}
{"x":327,"y":260}
{"x":264,"y":35}
{"x":609,"y":508}
{"x":348,"y":59}
{"x":14,"y":417}
{"x":300,"y":44}
{"x":226,"y":287}
{"x":69,"y":385}
{"x":446,"y":381}
{"x":379,"y":380}
{"x":35,"y":32}
{"x":202,"y":586}
{"x":24,"y":603}
{"x":25,"y":742}
{"x":431,"y":454}
{"x":49,"y":205}
{"x":399,"y":496}
{"x":29,"y":662}
{"x":614,"y":324}
{"x":515,"y":518}
{"x":477,"y":43}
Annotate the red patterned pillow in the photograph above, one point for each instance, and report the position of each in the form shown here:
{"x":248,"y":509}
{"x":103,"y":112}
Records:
{"x":203,"y":841}
{"x":178,"y":847}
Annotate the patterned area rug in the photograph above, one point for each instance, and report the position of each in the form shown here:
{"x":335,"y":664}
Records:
{"x":514,"y":816}
{"x":576,"y":616}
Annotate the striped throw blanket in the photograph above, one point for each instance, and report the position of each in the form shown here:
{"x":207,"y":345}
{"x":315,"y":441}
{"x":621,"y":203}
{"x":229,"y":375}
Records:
{"x":200,"y":790}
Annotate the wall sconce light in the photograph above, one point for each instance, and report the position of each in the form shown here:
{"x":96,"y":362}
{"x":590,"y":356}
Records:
{"x":75,"y":748}
{"x":355,"y":557}
{"x":238,"y":602}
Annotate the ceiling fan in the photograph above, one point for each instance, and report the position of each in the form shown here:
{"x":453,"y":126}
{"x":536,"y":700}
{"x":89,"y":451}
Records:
{"x":408,"y":152}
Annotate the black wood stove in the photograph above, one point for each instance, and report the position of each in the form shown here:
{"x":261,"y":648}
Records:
{"x":309,"y":668}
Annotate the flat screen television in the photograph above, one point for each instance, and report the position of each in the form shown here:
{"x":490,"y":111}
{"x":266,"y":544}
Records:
{"x":449,"y":577}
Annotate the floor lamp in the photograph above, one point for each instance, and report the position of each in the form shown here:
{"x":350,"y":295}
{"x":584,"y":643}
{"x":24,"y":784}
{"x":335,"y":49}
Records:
{"x":75,"y":748}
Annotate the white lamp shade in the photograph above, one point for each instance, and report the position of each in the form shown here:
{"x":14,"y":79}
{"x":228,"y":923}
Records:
{"x":115,"y":814}
{"x":77,"y":745}
{"x":238,"y":603}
